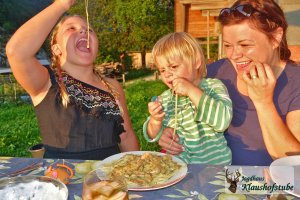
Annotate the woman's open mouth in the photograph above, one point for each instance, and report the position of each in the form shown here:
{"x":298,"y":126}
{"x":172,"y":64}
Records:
{"x":82,"y":45}
{"x":241,"y":66}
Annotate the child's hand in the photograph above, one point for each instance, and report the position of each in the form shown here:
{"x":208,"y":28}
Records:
{"x":66,"y":3}
{"x":181,"y":86}
{"x":156,"y":110}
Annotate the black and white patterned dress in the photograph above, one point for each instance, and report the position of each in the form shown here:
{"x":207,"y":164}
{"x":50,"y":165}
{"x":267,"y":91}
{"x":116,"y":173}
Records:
{"x":88,"y":128}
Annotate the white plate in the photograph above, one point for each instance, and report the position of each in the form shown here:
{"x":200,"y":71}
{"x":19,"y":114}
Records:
{"x":173,"y":180}
{"x":279,"y":175}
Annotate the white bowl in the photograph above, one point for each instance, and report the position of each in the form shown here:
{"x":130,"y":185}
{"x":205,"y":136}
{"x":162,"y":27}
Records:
{"x":32,"y":187}
{"x":285,"y":170}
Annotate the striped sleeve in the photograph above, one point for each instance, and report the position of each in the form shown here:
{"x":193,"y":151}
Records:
{"x":215,"y":106}
{"x":146,"y":136}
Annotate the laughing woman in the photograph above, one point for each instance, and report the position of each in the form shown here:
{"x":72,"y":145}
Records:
{"x":262,"y":82}
{"x":81,"y":114}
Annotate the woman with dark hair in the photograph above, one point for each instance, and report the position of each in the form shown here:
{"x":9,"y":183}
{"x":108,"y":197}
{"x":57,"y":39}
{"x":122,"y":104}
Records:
{"x":262,"y":82}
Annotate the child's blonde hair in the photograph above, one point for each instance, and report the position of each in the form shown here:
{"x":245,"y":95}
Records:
{"x":180,"y":45}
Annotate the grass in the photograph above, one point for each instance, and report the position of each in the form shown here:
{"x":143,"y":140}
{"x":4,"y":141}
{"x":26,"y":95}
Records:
{"x":19,"y":129}
{"x":137,"y":96}
{"x":138,"y":73}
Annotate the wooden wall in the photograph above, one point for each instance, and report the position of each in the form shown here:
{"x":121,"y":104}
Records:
{"x":194,"y":21}
{"x":191,"y":17}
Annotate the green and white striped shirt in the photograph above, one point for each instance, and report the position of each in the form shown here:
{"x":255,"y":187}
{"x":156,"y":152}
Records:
{"x":201,"y":130}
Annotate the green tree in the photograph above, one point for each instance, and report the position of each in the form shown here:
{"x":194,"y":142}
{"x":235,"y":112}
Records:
{"x":101,"y":17}
{"x":144,"y":22}
{"x":128,"y":25}
{"x":2,"y":12}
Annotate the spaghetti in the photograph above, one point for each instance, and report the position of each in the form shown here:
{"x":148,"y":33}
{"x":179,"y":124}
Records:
{"x":144,"y":170}
{"x":175,"y":120}
{"x":108,"y":85}
{"x":86,"y":2}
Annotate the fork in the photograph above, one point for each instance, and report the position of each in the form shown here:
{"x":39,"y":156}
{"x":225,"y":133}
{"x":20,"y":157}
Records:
{"x":26,"y":169}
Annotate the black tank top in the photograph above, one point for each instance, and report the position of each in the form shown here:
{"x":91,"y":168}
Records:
{"x":92,"y":121}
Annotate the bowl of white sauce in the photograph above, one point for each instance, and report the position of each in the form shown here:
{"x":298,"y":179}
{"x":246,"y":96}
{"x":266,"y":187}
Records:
{"x":33,"y":188}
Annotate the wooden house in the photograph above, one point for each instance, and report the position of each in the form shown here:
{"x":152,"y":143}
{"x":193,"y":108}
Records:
{"x":291,"y":9}
{"x":198,"y":17}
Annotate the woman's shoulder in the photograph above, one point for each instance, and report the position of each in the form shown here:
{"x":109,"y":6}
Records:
{"x":293,"y":67}
{"x":111,"y":81}
{"x":115,"y":83}
{"x":211,"y":81}
{"x":218,"y":63}
{"x":292,"y":71}
{"x":219,"y":68}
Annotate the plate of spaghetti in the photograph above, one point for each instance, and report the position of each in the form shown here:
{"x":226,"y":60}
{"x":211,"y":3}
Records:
{"x":145,"y":170}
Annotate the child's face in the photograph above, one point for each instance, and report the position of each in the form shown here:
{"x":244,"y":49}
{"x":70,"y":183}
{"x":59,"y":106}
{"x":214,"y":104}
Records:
{"x":176,"y":68}
{"x":72,"y":41}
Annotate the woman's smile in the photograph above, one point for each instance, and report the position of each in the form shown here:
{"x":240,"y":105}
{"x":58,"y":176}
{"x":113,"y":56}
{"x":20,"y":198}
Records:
{"x":242,"y":66}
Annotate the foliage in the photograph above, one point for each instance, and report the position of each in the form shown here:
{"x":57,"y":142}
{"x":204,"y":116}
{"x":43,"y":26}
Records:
{"x":9,"y":88}
{"x":137,"y":73}
{"x":19,"y":129}
{"x":14,"y":13}
{"x":144,"y":22}
{"x":122,"y":26}
{"x":212,"y":47}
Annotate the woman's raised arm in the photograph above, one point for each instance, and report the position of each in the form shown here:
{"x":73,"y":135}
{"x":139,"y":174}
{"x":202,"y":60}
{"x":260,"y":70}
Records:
{"x":25,"y":43}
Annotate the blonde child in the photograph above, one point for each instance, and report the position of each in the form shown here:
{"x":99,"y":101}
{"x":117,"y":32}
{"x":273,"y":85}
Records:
{"x":196,"y":108}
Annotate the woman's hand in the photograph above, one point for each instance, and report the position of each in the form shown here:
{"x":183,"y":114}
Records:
{"x":276,"y":132}
{"x":260,"y":82}
{"x":166,"y":139}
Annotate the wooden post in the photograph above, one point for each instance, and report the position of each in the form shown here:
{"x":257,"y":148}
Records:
{"x":15,"y":91}
{"x":123,"y":78}
{"x":208,"y":34}
{"x":220,"y":45}
{"x":183,"y":18}
{"x":155,"y":75}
